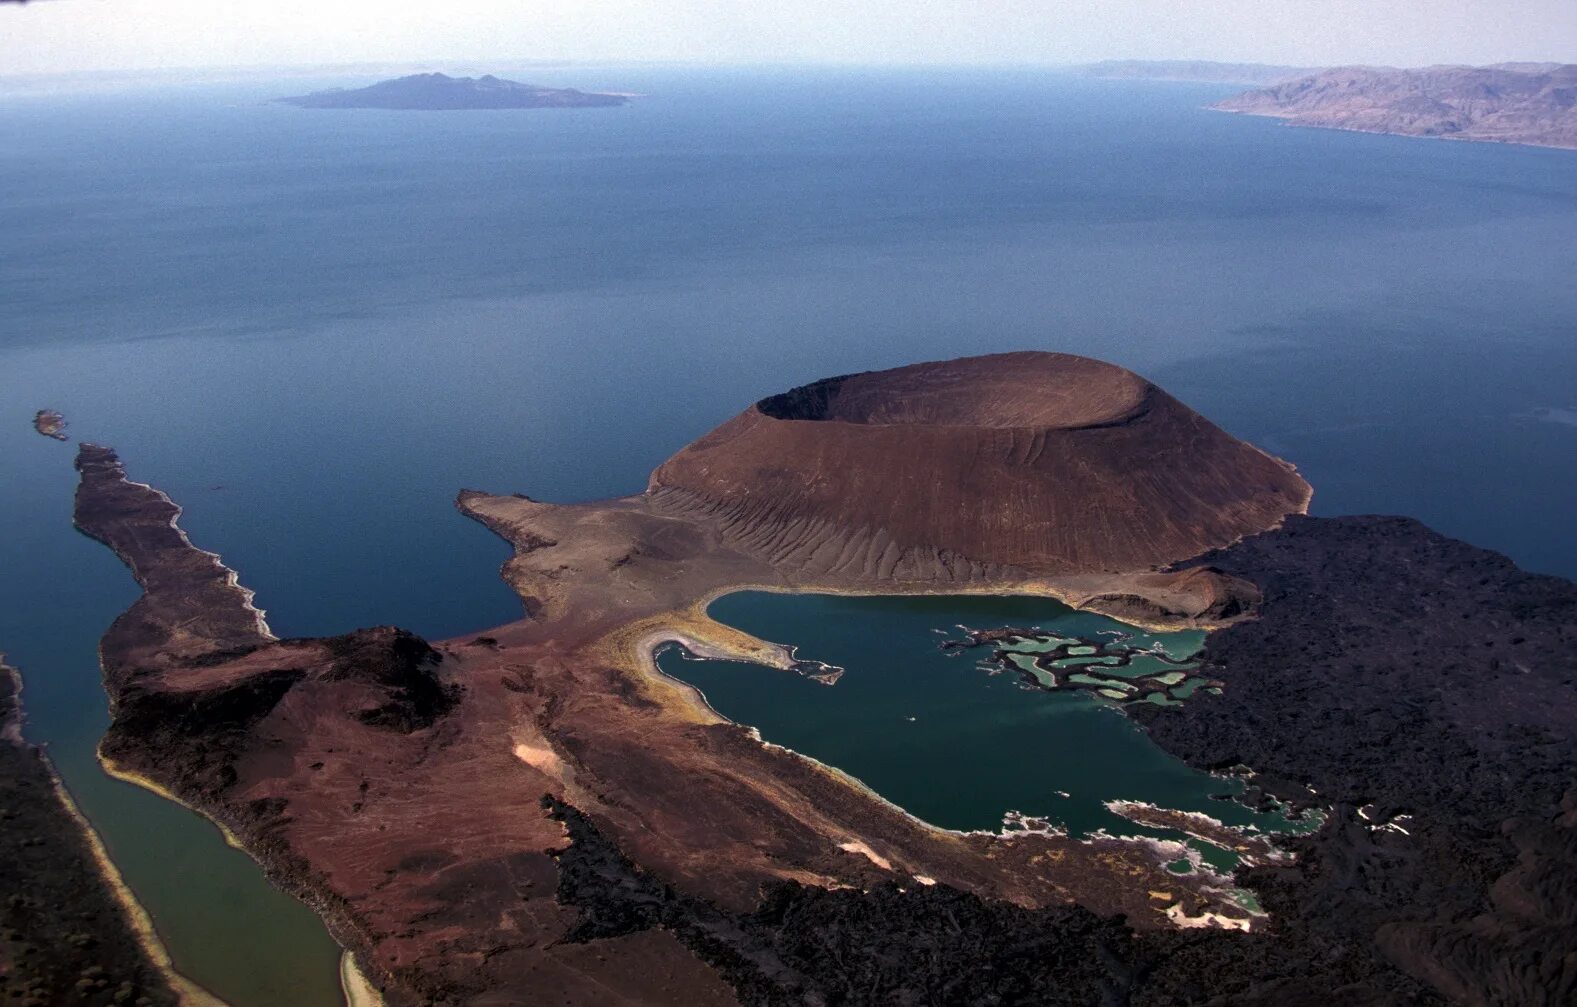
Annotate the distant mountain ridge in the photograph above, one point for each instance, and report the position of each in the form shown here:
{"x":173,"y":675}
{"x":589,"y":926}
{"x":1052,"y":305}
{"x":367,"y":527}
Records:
{"x":438,"y":91}
{"x":1192,"y":71}
{"x":1528,"y":103}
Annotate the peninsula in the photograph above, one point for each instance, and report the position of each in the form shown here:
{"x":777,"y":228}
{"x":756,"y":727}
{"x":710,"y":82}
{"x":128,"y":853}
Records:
{"x":1527,"y":103}
{"x":537,"y":811}
{"x":440,"y":92}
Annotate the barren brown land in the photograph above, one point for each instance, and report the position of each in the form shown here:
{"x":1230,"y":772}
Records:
{"x":535,"y":813}
{"x":1529,"y":103}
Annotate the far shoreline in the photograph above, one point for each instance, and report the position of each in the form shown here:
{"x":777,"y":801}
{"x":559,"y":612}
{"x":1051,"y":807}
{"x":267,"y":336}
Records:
{"x":1290,"y":122}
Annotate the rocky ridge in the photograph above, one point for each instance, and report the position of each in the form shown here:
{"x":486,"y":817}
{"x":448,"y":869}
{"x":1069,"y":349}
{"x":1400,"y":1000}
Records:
{"x":441,"y":92}
{"x":1510,"y":103}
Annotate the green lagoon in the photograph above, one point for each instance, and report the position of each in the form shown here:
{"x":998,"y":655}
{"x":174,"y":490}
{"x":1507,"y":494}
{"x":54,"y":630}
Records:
{"x":956,"y":740}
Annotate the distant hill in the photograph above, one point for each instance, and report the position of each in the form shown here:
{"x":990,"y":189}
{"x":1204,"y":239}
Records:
{"x":437,"y":91}
{"x":1194,"y":71}
{"x":1533,"y":103}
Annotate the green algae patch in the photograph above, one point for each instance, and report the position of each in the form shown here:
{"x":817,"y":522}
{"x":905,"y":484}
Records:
{"x":1159,"y":699}
{"x":1114,"y":663}
{"x":1246,"y":899}
{"x":1082,"y":662}
{"x":1035,"y":645}
{"x":1104,"y":684}
{"x":1026,"y":664}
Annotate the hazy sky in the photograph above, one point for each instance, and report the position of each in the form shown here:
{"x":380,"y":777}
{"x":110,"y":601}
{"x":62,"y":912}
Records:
{"x":58,"y":35}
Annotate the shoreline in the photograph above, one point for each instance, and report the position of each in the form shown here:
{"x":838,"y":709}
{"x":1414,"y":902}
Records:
{"x":358,"y":991}
{"x":1163,"y":850}
{"x":233,"y":578}
{"x":116,"y":771}
{"x":189,"y":993}
{"x":133,"y":916}
{"x":1290,"y":119}
{"x":1039,"y":588}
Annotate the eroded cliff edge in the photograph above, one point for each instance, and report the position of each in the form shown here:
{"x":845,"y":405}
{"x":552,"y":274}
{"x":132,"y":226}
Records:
{"x":536,"y":810}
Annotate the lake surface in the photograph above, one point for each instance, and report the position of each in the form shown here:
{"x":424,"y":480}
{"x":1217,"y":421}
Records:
{"x":940,"y":737}
{"x":313,"y":327}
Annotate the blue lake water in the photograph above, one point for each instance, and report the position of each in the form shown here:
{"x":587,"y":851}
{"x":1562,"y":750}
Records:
{"x":313,"y":327}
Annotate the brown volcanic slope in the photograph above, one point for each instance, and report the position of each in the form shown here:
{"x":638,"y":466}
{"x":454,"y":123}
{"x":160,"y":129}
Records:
{"x":1510,"y":103}
{"x":1043,"y":463}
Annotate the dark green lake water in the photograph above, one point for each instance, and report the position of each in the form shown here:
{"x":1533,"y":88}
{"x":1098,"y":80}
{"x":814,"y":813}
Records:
{"x":936,"y":735}
{"x":313,"y":328}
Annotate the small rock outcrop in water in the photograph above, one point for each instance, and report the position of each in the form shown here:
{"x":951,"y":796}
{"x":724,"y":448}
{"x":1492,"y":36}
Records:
{"x":1532,"y":103}
{"x":50,"y":424}
{"x":437,"y":92}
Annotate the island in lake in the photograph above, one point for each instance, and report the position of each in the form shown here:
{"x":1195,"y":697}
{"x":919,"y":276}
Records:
{"x":438,"y":91}
{"x":1528,"y":103}
{"x":538,"y":813}
{"x":51,"y":424}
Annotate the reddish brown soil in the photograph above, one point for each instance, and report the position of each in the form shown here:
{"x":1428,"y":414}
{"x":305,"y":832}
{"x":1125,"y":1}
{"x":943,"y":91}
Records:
{"x":1043,"y":463}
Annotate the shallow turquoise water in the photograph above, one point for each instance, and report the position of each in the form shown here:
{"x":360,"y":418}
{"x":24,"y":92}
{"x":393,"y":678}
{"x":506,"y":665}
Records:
{"x":936,"y":735}
{"x":312,"y":329}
